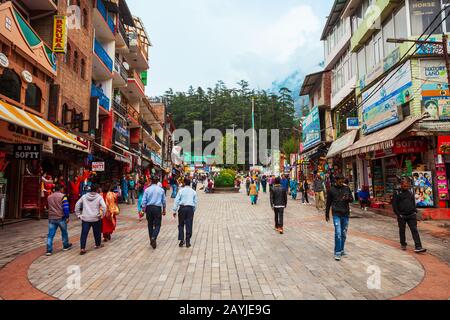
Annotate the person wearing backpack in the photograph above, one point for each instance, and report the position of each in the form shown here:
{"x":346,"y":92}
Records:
{"x":132,"y":190}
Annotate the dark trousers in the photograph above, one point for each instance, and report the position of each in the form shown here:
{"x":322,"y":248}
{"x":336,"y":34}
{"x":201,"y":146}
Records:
{"x":279,"y":213}
{"x":96,"y":228}
{"x":411,"y":220}
{"x":185,"y":219}
{"x":154,"y":219}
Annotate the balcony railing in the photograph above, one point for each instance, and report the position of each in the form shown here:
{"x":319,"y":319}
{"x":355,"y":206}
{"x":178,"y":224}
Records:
{"x":120,"y":109}
{"x":104,"y":12}
{"x":102,"y":99}
{"x":133,"y":113}
{"x":124,"y":34}
{"x":119,"y":68}
{"x":103,"y":55}
{"x":146,"y":126}
{"x":135,"y":75}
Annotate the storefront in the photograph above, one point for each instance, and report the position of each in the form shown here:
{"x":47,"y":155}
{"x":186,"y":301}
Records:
{"x":22,"y":172}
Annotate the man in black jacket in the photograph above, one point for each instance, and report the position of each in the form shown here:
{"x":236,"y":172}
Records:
{"x":338,"y":199}
{"x":278,"y":202}
{"x":404,"y":205}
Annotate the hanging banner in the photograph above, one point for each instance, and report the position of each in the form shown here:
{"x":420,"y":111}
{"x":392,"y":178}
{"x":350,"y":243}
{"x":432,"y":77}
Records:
{"x":60,"y":34}
{"x":311,"y":130}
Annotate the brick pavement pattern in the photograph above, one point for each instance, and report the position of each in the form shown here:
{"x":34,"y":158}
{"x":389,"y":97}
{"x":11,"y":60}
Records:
{"x":236,"y":254}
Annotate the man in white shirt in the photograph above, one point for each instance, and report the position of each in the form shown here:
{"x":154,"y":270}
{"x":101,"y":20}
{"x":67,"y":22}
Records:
{"x":185,"y":204}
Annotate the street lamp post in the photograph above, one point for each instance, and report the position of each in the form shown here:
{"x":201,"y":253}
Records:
{"x":443,"y":43}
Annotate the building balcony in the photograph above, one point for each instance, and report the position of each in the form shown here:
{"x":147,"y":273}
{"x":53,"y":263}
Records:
{"x":372,"y":23}
{"x":103,"y":100}
{"x":120,"y":75}
{"x":133,"y":115}
{"x":102,"y":63}
{"x":104,"y":24}
{"x":40,"y":5}
{"x":137,"y":57}
{"x":120,"y":109}
{"x":136,"y":88}
{"x":122,"y":39}
{"x":150,"y":141}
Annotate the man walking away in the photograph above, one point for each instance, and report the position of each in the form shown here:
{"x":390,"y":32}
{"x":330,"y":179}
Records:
{"x":338,"y":199}
{"x":305,"y":190}
{"x":154,"y":205}
{"x":404,"y":205}
{"x":278,"y":202}
{"x":185,"y":204}
{"x":132,"y":190}
{"x":58,"y":217}
{"x":91,"y":209}
{"x":319,"y":191}
{"x":264,"y":184}
{"x":248,"y":183}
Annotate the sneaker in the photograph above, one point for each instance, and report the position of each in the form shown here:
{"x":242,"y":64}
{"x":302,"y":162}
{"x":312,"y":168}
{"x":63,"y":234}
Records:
{"x":337,"y":258}
{"x":420,"y":250}
{"x":404,"y":248}
{"x":70,"y":246}
{"x":181,"y":244}
{"x":281,"y":231}
{"x":153,"y":243}
{"x":48,"y":254}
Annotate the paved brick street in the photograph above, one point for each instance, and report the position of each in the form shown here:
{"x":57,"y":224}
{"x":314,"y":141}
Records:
{"x":236,"y":254}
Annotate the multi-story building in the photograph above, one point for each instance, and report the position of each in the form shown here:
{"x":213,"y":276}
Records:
{"x":317,"y":129}
{"x":398,"y":91}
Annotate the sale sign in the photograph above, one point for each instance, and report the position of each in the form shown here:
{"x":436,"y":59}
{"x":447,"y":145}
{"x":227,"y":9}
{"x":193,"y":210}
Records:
{"x":60,"y":34}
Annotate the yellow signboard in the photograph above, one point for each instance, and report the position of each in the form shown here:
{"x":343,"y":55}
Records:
{"x":60,"y":34}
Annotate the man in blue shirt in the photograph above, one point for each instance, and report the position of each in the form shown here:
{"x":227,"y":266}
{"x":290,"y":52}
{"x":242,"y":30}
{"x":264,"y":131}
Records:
{"x":186,"y":204}
{"x":154,"y":205}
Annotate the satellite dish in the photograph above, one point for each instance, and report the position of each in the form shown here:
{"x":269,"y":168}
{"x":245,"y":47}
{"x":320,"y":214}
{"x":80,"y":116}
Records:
{"x":126,"y":66}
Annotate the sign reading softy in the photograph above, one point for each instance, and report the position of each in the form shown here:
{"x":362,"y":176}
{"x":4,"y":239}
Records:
{"x":311,"y":129}
{"x":27,"y":151}
{"x":381,"y":105}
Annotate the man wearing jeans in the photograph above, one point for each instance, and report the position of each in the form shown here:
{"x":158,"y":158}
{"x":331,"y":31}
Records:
{"x":185,"y":204}
{"x":154,"y":205}
{"x":338,"y":199}
{"x":58,"y":217}
{"x":404,"y":205}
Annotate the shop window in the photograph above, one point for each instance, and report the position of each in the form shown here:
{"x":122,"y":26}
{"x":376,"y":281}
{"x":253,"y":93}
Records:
{"x":33,"y":97}
{"x":10,"y":85}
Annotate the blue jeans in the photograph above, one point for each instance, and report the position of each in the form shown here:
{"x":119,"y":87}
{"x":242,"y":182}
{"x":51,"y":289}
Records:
{"x":174,"y":191}
{"x":53,"y":226}
{"x":340,"y":235}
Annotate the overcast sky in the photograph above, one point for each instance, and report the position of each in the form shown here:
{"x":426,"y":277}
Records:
{"x":197,"y":42}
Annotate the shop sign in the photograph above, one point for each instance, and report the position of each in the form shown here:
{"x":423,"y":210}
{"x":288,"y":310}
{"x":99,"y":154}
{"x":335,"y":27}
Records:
{"x":14,"y":134}
{"x":422,"y":13}
{"x":444,"y":145}
{"x":353,"y":124}
{"x":27,"y":151}
{"x":27,"y":76}
{"x":4,"y":61}
{"x":60,"y":34}
{"x":121,"y":136}
{"x":435,"y":91}
{"x":430,"y":49}
{"x":382,"y":106}
{"x":311,"y":129}
{"x":98,"y":166}
{"x":410,"y":146}
{"x":81,"y":140}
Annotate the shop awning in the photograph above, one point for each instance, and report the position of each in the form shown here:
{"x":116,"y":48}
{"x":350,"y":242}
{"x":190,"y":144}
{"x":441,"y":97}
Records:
{"x":32,"y":122}
{"x":315,"y":152}
{"x":380,"y":140}
{"x":342,"y":143}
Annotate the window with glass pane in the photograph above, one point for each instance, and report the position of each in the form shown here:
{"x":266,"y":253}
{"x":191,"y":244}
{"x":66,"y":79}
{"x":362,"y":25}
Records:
{"x":10,"y":84}
{"x":33,"y":97}
{"x":388,"y":33}
{"x":422,"y":15}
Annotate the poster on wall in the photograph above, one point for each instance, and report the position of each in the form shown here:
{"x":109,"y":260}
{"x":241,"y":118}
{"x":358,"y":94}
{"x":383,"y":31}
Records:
{"x":311,"y":129}
{"x":382,"y":105}
{"x":435,"y":93}
{"x":423,"y":189}
{"x":442,"y":182}
{"x":444,"y":145}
